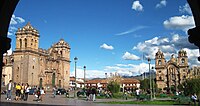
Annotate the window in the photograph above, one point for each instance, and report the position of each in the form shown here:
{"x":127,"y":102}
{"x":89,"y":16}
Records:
{"x":20,"y":43}
{"x":25,"y":43}
{"x":33,"y":67}
{"x":159,"y":62}
{"x":160,"y":78}
{"x":182,"y":61}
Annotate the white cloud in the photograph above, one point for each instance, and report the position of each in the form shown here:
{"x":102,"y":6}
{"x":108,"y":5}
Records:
{"x":185,"y":9}
{"x":168,"y":46}
{"x":183,"y":22}
{"x":132,"y":30}
{"x":9,"y":33}
{"x":9,"y":52}
{"x":192,"y":56}
{"x":15,"y":20}
{"x":128,"y":69}
{"x":107,"y":47}
{"x":13,"y":24}
{"x":162,"y":3}
{"x":137,"y":6}
{"x":129,"y":56}
{"x":89,"y":74}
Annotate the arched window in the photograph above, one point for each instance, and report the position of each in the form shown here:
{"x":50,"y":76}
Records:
{"x":31,"y":42}
{"x":182,"y":61}
{"x":35,"y":43}
{"x":59,"y":83}
{"x":159,"y":62}
{"x":160,"y":78}
{"x":20,"y":43}
{"x":25,"y":42}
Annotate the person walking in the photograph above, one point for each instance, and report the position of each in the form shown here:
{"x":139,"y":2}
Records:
{"x":137,"y":93}
{"x":42,"y":92}
{"x":54,"y":91}
{"x":194,"y":98}
{"x":9,"y":89}
{"x":22,"y":91}
{"x":27,"y":89}
{"x":87,"y":94}
{"x":18,"y":91}
{"x":93,"y":94}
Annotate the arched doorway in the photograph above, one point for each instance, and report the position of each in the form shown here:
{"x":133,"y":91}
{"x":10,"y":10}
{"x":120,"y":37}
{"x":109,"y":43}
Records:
{"x":53,"y":79}
{"x":40,"y":83}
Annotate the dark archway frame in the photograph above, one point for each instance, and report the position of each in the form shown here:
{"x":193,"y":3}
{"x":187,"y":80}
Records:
{"x":7,"y":8}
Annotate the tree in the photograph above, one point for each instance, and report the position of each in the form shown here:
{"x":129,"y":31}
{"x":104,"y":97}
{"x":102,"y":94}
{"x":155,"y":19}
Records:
{"x":114,"y":87}
{"x":145,"y":85}
{"x":191,"y":86}
{"x":114,"y":83}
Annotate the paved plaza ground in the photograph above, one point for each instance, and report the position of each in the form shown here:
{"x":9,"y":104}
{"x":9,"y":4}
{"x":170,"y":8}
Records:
{"x":58,"y":100}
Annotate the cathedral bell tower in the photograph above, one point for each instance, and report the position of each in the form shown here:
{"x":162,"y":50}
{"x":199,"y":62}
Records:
{"x":183,"y":65}
{"x":27,"y":38}
{"x":26,"y":55}
{"x":160,"y":69}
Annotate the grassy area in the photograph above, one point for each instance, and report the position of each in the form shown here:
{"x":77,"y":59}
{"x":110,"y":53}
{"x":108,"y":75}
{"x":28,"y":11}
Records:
{"x":156,"y":102}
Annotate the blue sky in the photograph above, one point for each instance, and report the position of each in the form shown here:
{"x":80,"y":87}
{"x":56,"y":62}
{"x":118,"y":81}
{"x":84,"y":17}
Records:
{"x":109,"y":35}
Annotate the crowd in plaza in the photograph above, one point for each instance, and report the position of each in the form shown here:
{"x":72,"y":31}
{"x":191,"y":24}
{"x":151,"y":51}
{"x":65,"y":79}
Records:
{"x":22,"y":91}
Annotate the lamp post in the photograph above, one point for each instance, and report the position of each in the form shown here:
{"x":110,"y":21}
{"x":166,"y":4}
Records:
{"x":84,"y":75}
{"x":153,"y":83}
{"x":149,"y":61}
{"x":75,"y":60}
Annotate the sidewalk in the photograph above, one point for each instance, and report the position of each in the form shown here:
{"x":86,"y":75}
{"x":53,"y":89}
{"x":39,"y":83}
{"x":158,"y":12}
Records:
{"x":60,"y":100}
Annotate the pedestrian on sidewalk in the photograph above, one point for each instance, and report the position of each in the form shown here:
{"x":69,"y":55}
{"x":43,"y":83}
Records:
{"x":54,"y":91}
{"x":9,"y":89}
{"x":94,"y":94}
{"x":18,"y":91}
{"x":27,"y":89}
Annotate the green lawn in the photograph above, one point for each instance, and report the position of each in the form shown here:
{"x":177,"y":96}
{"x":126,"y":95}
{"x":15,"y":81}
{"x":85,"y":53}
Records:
{"x":156,"y":102}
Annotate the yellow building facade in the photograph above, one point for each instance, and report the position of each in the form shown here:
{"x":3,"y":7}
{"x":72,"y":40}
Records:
{"x":173,"y":72}
{"x":37,"y":66}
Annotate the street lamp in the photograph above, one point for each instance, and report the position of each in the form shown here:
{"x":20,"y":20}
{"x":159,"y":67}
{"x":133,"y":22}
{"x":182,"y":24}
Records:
{"x":75,"y":60}
{"x":84,"y":75}
{"x":149,"y":61}
{"x":153,"y":83}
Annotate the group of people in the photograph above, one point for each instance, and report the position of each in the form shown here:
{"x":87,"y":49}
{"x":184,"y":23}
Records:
{"x":91,"y":94}
{"x":22,"y":91}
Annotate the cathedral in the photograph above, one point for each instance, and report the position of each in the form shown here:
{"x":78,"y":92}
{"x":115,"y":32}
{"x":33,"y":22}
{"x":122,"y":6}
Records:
{"x":173,"y":72}
{"x":38,"y":67}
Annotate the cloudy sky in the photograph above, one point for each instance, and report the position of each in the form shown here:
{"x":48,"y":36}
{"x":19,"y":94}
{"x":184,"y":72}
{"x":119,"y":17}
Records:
{"x":110,"y":36}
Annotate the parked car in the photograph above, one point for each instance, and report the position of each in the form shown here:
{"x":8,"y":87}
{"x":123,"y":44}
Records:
{"x":32,"y":91}
{"x":60,"y":91}
{"x":81,"y":92}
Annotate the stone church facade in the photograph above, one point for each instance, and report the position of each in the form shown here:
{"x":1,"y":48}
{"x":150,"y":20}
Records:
{"x":173,"y":72}
{"x":36,"y":66}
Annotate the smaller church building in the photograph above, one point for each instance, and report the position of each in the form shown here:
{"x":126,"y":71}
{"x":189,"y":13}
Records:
{"x":173,"y":72}
{"x":36,"y":66}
